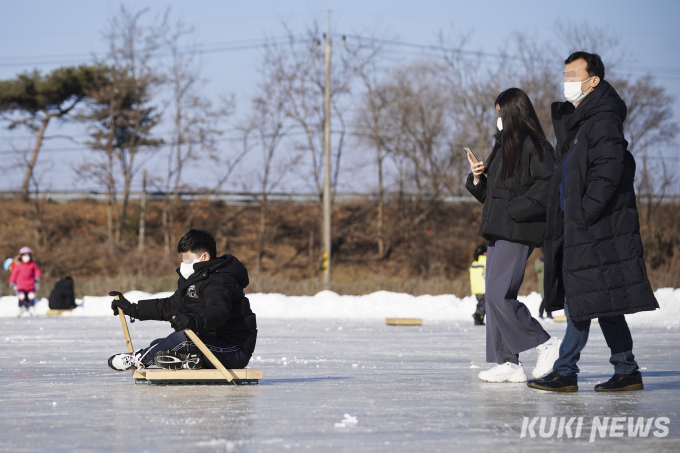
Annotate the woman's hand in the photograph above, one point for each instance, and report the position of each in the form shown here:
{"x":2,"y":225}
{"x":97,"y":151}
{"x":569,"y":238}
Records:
{"x":477,"y":168}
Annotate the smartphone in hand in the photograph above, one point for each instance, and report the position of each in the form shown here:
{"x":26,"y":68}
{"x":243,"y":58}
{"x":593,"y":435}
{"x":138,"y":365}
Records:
{"x":472,"y":155}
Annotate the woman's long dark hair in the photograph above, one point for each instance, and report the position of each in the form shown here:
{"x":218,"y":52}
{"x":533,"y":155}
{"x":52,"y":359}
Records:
{"x":519,"y":122}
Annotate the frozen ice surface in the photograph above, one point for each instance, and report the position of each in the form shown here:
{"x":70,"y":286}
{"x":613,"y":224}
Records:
{"x":412,"y":391}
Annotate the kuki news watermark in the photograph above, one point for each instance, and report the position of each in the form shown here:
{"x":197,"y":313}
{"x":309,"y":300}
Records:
{"x":597,"y":427}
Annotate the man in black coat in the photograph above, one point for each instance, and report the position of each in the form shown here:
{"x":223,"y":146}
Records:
{"x":594,"y":266}
{"x":209,"y":300}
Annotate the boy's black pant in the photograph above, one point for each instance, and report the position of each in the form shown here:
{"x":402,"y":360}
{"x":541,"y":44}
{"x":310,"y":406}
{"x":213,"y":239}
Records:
{"x":229,"y":355}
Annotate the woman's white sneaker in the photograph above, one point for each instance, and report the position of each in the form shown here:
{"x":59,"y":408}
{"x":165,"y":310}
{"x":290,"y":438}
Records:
{"x":548,"y":352}
{"x":504,"y":372}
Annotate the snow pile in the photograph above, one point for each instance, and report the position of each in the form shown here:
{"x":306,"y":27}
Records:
{"x":378,"y":305}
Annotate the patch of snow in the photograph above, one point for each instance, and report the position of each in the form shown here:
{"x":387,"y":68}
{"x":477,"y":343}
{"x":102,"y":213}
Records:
{"x":377,"y":306}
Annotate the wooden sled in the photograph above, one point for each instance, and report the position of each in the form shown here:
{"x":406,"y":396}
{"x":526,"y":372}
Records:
{"x":404,"y":322}
{"x":58,"y":311}
{"x":219,"y":376}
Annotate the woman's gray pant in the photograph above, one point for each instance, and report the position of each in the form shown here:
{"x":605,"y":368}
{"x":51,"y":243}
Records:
{"x":510,"y":328}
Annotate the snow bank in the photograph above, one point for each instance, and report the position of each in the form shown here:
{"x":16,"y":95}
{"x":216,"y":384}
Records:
{"x":378,"y":305}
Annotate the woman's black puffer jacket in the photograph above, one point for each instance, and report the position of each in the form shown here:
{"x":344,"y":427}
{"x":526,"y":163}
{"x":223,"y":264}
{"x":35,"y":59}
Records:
{"x":515,"y":207}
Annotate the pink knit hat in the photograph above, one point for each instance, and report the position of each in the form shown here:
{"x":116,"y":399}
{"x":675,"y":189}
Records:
{"x":25,"y":250}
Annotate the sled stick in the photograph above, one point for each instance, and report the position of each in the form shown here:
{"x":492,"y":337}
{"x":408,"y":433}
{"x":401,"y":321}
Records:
{"x":208,"y":353}
{"x":128,"y":341}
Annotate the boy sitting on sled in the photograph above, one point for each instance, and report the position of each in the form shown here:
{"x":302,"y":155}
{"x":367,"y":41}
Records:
{"x":209,"y":300}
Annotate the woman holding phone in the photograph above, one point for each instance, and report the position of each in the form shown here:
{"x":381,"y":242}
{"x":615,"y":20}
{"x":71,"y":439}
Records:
{"x":514,"y":189}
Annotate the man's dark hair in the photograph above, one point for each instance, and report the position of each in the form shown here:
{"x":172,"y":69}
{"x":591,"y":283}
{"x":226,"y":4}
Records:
{"x":198,"y":242}
{"x":594,"y":65}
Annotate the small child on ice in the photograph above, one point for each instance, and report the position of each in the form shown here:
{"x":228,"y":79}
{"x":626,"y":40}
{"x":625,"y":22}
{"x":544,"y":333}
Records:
{"x":25,"y":280}
{"x":209,"y":300}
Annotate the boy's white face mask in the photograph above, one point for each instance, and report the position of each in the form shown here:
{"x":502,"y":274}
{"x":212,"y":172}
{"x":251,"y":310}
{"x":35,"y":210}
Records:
{"x":187,"y":269}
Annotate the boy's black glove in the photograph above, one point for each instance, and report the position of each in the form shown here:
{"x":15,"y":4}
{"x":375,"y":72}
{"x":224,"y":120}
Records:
{"x":183,"y":321}
{"x":128,"y":307}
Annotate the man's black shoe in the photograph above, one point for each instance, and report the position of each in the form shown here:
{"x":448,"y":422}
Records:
{"x":479,"y":319}
{"x":622,"y":383}
{"x":555,"y":382}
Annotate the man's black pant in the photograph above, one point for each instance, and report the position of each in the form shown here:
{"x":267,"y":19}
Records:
{"x":231,"y":356}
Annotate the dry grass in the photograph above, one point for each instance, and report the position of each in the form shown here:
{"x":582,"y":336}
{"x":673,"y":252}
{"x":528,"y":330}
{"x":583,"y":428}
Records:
{"x":429,"y":246}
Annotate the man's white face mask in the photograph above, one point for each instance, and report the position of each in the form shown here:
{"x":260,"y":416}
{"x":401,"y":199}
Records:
{"x":573,"y":93}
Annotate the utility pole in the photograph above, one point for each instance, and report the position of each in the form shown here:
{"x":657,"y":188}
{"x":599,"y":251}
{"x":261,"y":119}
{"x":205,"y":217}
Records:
{"x":142,"y":215}
{"x":327,"y":161}
{"x":327,"y":164}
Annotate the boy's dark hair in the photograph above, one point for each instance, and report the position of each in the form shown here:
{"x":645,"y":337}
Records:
{"x":480,"y":250}
{"x":198,"y":242}
{"x":594,"y":65}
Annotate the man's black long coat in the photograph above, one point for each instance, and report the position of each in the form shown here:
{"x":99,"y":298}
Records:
{"x":593,"y":250}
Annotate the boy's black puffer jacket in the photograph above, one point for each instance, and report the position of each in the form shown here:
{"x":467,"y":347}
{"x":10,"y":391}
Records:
{"x":214,"y":295}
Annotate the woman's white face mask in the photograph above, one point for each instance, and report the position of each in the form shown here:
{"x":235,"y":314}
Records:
{"x":573,"y":93}
{"x":499,"y":123}
{"x":26,"y":258}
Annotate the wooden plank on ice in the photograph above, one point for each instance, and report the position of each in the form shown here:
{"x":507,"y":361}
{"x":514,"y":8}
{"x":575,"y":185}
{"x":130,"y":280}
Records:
{"x":57,"y":311}
{"x":404,"y":322}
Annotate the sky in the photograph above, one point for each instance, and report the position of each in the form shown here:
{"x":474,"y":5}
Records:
{"x":46,"y":35}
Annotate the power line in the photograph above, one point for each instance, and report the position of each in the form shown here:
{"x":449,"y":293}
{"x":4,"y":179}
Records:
{"x":293,"y":133}
{"x":228,"y":46}
{"x":666,"y":72}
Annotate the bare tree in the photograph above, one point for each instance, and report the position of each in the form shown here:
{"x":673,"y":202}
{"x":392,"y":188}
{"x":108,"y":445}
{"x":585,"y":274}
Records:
{"x":584,"y":36}
{"x":372,"y":122}
{"x":132,"y":45}
{"x":197,"y":123}
{"x":420,"y":118}
{"x":648,"y":126}
{"x":267,"y":126}
{"x":33,"y":101}
{"x":298,"y":67}
{"x":540,"y":76}
{"x":472,"y":84}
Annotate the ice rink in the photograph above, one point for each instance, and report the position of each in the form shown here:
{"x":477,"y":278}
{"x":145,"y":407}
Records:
{"x":410,"y":389}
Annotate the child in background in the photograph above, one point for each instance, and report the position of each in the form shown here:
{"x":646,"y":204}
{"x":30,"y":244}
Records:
{"x":25,"y":280}
{"x":477,"y":275}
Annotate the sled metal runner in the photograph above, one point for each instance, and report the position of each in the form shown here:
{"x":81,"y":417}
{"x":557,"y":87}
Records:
{"x":219,"y":376}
